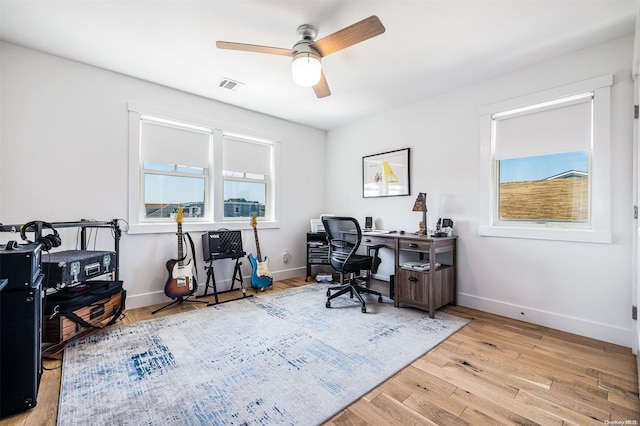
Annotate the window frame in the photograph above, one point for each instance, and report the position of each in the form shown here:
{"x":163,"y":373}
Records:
{"x":599,"y":228}
{"x":214,"y":210}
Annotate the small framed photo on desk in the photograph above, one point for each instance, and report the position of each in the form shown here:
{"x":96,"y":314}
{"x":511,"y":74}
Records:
{"x":386,"y":174}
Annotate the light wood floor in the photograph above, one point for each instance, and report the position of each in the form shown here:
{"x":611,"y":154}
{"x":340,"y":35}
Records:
{"x":493,"y":371}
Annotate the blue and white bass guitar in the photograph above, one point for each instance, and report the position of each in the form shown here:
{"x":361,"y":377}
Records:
{"x":260,"y":274}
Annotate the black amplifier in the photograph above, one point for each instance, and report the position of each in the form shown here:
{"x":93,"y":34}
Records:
{"x":222,"y":245}
{"x":20,"y":265}
{"x":70,"y":267}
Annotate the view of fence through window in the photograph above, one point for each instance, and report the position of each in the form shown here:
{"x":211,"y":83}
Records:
{"x":545,"y":188}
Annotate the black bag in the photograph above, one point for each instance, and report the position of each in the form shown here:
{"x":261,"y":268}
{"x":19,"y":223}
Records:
{"x":91,"y":293}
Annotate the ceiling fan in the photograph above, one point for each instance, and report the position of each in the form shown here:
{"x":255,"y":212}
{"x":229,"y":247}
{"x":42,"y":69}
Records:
{"x":307,"y":53}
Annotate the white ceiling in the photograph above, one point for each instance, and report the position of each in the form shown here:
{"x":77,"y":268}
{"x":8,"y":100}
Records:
{"x":429,"y":46}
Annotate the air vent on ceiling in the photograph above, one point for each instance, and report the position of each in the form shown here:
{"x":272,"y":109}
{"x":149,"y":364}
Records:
{"x":227,"y":83}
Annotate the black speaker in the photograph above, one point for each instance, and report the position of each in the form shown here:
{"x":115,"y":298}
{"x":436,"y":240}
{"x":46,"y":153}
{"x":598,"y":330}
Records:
{"x":20,"y":331}
{"x":368,"y":222}
{"x":20,"y":265}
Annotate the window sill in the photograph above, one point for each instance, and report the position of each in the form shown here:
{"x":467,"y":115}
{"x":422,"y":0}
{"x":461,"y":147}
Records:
{"x":170,"y":227}
{"x":576,"y":235}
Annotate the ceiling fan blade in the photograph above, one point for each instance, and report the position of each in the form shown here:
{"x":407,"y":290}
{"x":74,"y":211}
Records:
{"x":353,"y":34}
{"x":253,"y":48}
{"x":322,"y":88}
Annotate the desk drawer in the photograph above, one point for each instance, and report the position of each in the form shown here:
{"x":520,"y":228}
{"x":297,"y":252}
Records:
{"x":369,"y":240}
{"x":413,"y":287}
{"x":414,"y":245}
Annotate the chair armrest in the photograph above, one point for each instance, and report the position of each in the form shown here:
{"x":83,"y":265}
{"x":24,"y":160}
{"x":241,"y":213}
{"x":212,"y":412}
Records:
{"x":375,"y":249}
{"x":373,"y":252}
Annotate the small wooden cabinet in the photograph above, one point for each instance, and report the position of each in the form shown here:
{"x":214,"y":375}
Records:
{"x":429,"y":289}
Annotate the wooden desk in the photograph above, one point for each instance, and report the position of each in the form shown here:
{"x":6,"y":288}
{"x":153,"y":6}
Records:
{"x":427,"y":290}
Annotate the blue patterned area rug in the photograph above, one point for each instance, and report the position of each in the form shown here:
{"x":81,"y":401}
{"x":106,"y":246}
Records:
{"x":278,"y":358}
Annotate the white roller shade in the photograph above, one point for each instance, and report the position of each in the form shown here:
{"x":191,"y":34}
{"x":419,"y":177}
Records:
{"x":562,"y":127}
{"x":175,"y":145}
{"x":242,"y":155}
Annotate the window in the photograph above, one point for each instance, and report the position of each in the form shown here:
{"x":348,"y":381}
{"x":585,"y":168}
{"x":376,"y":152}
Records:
{"x":542,"y":161}
{"x":547,"y":164}
{"x":218,"y":177}
{"x":247,"y":165}
{"x":175,"y":169}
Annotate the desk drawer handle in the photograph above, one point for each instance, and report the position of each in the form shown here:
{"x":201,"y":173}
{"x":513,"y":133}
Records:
{"x":413,"y":279}
{"x":413,"y":245}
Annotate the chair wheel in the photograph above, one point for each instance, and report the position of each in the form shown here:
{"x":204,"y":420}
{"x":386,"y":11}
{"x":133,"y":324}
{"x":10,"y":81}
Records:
{"x":328,"y":304}
{"x":364,"y":309}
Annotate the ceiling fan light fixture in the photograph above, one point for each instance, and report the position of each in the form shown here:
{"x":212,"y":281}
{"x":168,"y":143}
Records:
{"x":306,"y":69}
{"x":307,"y":53}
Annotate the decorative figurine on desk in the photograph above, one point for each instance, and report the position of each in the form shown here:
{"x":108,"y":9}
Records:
{"x":421,"y":206}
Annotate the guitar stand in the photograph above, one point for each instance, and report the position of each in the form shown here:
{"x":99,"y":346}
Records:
{"x":178,"y":301}
{"x":211,"y":282}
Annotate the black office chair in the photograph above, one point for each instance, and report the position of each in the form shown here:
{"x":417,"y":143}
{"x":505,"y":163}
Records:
{"x":344,"y":236}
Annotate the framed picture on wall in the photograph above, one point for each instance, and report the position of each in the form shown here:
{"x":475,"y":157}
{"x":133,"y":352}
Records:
{"x":386,"y":174}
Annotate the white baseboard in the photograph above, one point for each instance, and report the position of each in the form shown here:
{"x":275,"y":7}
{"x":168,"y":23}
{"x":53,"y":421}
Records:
{"x":145,"y":299}
{"x":386,"y":278}
{"x":153,"y":298}
{"x":580,"y":326}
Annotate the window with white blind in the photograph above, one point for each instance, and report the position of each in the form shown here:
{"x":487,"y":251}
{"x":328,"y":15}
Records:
{"x":175,"y":169}
{"x":542,"y":157}
{"x":546,"y":164}
{"x":217,"y":177}
{"x":247,"y":177}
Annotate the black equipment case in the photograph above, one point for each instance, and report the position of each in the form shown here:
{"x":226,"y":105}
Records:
{"x":70,"y":267}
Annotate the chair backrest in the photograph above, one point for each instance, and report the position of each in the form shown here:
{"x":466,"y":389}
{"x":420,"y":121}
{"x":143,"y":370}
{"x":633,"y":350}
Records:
{"x":344,"y":236}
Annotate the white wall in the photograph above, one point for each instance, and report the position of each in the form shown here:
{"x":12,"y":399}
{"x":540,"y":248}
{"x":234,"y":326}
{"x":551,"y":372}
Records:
{"x":64,"y":130}
{"x":64,"y":151}
{"x":583,"y":288}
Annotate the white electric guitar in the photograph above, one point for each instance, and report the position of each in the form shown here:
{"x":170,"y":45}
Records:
{"x":180,"y":282}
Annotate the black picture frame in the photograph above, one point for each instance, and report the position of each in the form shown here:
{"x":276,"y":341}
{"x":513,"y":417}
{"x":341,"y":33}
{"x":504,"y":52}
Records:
{"x":387,"y":174}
